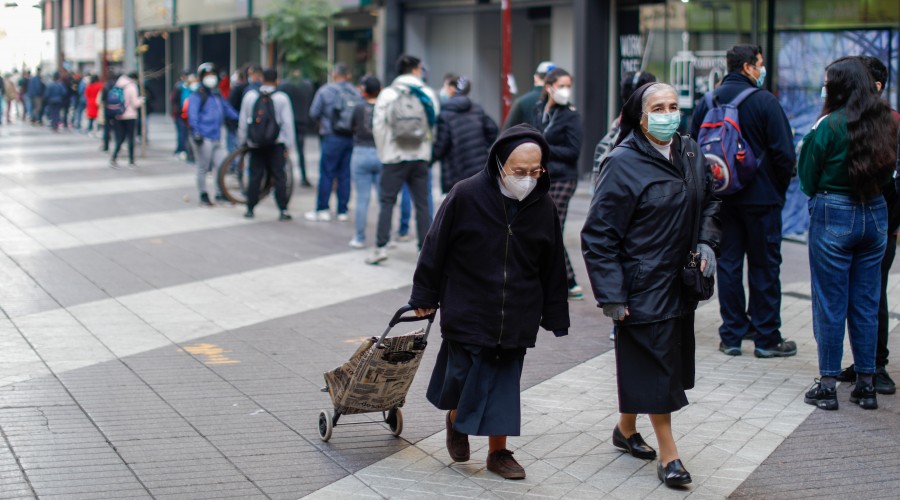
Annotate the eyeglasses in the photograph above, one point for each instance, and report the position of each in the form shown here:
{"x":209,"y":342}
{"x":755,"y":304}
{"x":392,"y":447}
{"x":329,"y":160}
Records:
{"x":535,"y":173}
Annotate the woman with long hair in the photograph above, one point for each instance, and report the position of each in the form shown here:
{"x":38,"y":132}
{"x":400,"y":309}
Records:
{"x":555,"y":116}
{"x":846,"y":158}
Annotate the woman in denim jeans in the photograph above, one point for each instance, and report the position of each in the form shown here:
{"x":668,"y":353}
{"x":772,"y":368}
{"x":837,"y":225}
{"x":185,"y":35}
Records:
{"x":846,"y":158}
{"x":365,"y":167}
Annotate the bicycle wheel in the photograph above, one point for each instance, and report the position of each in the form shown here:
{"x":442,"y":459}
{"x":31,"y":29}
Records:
{"x":234,"y":177}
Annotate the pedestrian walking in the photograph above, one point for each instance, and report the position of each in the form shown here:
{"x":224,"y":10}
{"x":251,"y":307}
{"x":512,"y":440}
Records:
{"x":79,"y":100}
{"x":403,"y":126}
{"x":11,"y":94}
{"x":207,"y":112}
{"x":751,"y":217}
{"x":882,"y":381}
{"x":364,"y":164}
{"x":332,"y":107}
{"x":91,"y":94}
{"x":463,"y":137}
{"x":846,"y":158}
{"x":36,"y":89}
{"x":300,"y":90}
{"x":56,"y":97}
{"x":266,"y":126}
{"x":23,"y":83}
{"x":66,"y":80}
{"x":523,"y":107}
{"x":125,"y":100}
{"x":561,"y":125}
{"x":653,"y":209}
{"x":177,"y":97}
{"x":497,"y":235}
{"x":105,"y":117}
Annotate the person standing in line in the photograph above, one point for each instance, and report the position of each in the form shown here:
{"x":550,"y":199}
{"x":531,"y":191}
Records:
{"x":23,"y":94}
{"x":882,"y":381}
{"x":36,"y":90}
{"x":125,"y":121}
{"x":79,"y":100}
{"x":364,"y":163}
{"x":301,"y":91}
{"x":845,"y":159}
{"x":463,"y":137}
{"x":561,"y":124}
{"x":653,"y":207}
{"x":630,"y":82}
{"x":103,"y":118}
{"x":266,"y":126}
{"x":332,"y":108}
{"x":11,"y":94}
{"x":207,"y":112}
{"x":91,"y":93}
{"x":403,"y":127}
{"x":65,"y":79}
{"x":522,"y":108}
{"x":498,"y":238}
{"x":56,"y":97}
{"x":751,"y":218}
{"x":176,"y":102}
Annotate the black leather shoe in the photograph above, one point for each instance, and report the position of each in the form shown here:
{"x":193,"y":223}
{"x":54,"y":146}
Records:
{"x":673,"y":474}
{"x":633,"y":445}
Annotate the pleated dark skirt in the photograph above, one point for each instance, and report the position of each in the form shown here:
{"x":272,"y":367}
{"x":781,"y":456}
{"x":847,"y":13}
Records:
{"x":655,"y":365}
{"x":482,"y":384}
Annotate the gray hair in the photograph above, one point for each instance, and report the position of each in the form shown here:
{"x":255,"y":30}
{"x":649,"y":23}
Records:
{"x":655,"y":88}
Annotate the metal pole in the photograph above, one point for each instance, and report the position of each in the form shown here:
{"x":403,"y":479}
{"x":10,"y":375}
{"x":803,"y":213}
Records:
{"x":105,"y":66}
{"x":57,"y":23}
{"x":506,"y":42}
{"x":129,"y":32}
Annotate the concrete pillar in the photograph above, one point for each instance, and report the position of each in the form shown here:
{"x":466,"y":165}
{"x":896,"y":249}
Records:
{"x":592,"y":64}
{"x":393,"y":37}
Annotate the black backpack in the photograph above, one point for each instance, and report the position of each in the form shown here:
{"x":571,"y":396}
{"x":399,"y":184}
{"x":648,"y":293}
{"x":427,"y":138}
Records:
{"x":342,"y":117}
{"x":263,"y":129}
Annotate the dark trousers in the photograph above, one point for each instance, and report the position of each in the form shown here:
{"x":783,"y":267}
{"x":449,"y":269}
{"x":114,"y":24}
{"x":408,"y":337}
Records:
{"x":53,"y":110}
{"x":882,"y":352}
{"x":754,"y":232}
{"x":108,"y":127}
{"x":267,"y":160}
{"x":301,"y":158}
{"x":181,"y":135}
{"x":124,"y":130}
{"x":334,"y":165}
{"x":393,"y":175}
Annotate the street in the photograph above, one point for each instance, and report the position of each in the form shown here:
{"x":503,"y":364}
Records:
{"x":150,"y":348}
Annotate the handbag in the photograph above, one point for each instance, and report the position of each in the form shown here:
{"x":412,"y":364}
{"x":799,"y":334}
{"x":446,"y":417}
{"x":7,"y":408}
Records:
{"x":694,"y":285}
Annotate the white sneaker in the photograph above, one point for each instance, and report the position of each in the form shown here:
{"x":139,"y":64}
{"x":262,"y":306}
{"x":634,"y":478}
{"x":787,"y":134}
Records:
{"x":318,"y":216}
{"x":576,"y":293}
{"x":378,"y":257}
{"x":343,"y":217}
{"x":355,"y":243}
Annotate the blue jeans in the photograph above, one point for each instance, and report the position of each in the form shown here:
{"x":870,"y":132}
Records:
{"x":366,"y":169}
{"x":406,"y":206}
{"x":847,"y":239}
{"x":335,"y":165}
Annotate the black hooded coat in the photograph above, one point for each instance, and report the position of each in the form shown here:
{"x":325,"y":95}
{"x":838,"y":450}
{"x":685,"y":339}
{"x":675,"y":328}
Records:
{"x":462,"y":140}
{"x":496,"y":279}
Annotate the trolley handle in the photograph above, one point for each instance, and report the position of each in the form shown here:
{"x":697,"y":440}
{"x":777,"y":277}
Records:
{"x":400,"y":318}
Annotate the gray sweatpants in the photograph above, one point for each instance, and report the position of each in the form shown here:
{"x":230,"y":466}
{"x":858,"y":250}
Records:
{"x":209,"y":156}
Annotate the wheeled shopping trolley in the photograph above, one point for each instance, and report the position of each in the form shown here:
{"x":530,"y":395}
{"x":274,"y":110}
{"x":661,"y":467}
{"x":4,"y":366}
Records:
{"x":377,"y":376}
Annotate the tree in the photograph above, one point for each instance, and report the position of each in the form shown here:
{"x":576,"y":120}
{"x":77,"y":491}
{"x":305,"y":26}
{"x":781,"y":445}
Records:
{"x":300,"y":27}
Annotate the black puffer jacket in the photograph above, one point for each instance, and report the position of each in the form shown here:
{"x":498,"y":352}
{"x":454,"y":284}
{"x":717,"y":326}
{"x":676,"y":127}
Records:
{"x":639,"y":227}
{"x":562,"y":129}
{"x":495,"y":280}
{"x":464,"y":135}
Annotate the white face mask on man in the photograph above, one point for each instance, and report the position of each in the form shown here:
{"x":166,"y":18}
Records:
{"x":515,"y":186}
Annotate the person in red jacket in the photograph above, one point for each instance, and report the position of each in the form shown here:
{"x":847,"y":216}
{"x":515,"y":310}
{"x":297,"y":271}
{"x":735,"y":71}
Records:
{"x":90,"y":96}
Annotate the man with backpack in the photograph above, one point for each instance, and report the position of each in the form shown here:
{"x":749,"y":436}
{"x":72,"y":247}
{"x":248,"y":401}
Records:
{"x":122,"y":104}
{"x":755,"y":161}
{"x":403,"y":123}
{"x":56,"y":96}
{"x":207,"y":112}
{"x":332,"y":107}
{"x":266,"y":126}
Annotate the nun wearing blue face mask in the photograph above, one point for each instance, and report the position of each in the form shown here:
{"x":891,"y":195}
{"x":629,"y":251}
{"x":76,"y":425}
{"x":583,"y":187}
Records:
{"x":493,"y":262}
{"x":653,"y":205}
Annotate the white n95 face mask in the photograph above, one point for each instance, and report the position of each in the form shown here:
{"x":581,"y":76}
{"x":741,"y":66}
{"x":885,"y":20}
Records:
{"x":513,"y":186}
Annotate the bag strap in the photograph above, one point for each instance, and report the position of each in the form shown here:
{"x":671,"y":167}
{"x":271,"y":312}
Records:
{"x":740,"y":98}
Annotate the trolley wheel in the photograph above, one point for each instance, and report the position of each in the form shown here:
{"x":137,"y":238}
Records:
{"x":326,"y":425}
{"x":394,"y":420}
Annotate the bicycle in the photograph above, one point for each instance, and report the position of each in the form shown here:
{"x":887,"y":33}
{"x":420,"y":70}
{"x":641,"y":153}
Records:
{"x":234,"y":177}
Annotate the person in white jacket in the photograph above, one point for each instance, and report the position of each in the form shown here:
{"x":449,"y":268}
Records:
{"x":403,"y":127}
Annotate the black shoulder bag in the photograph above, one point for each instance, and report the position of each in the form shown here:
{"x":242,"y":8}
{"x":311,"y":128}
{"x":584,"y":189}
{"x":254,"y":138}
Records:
{"x":696,"y":286}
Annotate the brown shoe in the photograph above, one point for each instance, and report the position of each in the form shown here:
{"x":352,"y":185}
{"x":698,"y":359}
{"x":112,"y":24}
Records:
{"x":457,"y":443}
{"x":501,"y":462}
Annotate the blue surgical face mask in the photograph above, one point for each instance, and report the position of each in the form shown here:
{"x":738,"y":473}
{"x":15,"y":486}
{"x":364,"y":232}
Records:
{"x":824,"y":92}
{"x":662,"y":126}
{"x":762,"y":77}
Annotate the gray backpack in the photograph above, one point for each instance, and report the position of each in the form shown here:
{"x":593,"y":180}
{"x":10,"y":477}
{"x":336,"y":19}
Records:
{"x":406,"y":118}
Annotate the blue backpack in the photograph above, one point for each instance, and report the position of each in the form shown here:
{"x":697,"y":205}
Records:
{"x":730,"y":159}
{"x":115,"y":102}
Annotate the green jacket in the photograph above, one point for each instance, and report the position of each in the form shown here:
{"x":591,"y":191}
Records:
{"x":823,"y":157}
{"x":523,"y":108}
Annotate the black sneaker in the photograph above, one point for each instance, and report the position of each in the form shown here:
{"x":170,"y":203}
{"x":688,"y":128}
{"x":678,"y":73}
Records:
{"x":784,"y":349}
{"x":864,"y":396}
{"x":883,"y":382}
{"x":248,"y":214}
{"x":729,"y":350}
{"x":204,"y":200}
{"x":821,"y":397}
{"x":847,"y":375}
{"x":284,"y":215}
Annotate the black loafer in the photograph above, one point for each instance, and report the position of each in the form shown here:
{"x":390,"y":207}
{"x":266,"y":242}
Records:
{"x":673,"y":474}
{"x":633,"y":445}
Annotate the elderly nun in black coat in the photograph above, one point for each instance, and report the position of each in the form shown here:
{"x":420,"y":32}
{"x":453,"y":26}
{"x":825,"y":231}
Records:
{"x":653,"y":196}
